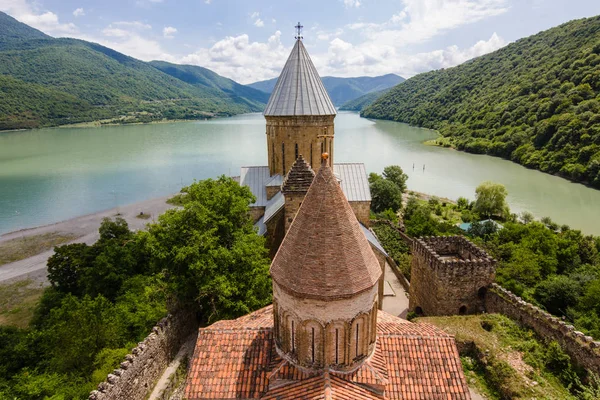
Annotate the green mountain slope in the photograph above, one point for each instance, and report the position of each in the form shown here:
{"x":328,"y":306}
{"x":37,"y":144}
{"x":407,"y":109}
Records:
{"x":11,"y":31}
{"x":203,"y":77}
{"x":535,"y":101}
{"x":363,"y":101}
{"x":111,"y":85}
{"x":342,"y":90}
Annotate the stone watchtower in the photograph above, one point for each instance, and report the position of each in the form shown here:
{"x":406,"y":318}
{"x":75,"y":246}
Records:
{"x":449,"y":276}
{"x":325,"y":283}
{"x":299,"y":115}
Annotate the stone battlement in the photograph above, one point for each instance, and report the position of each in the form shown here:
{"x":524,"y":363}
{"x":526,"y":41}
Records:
{"x":138,"y":373}
{"x":449,"y":275}
{"x":584,"y":349}
{"x":452,"y":255}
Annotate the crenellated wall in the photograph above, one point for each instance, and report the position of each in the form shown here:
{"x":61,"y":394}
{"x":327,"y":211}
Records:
{"x":449,"y":276}
{"x":140,"y":370}
{"x":584,"y":350}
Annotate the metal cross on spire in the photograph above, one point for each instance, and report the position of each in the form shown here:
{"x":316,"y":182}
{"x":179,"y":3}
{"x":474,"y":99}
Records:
{"x":299,"y":32}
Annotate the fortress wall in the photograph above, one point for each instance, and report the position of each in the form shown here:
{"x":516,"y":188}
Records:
{"x":138,"y":373}
{"x":584,"y":350}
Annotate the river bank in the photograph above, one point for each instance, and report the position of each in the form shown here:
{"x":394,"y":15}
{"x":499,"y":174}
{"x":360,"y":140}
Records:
{"x":83,"y":228}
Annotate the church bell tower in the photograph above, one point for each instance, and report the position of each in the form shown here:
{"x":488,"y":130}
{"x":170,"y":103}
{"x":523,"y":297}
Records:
{"x":299,"y":114}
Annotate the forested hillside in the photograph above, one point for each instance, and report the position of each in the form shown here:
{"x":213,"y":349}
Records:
{"x":363,"y":101}
{"x":342,"y":90}
{"x":535,"y":101}
{"x":101,"y":83}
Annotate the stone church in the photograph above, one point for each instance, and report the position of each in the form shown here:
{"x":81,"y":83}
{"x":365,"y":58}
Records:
{"x":324,"y":336}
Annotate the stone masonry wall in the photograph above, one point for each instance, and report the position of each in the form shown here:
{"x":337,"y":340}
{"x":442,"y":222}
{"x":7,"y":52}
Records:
{"x":312,"y":134}
{"x":441,"y":286}
{"x":138,"y":373}
{"x":362,"y":210}
{"x":584,"y":350}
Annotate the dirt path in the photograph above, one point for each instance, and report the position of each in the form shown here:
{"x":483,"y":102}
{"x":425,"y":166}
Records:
{"x":84,"y":227}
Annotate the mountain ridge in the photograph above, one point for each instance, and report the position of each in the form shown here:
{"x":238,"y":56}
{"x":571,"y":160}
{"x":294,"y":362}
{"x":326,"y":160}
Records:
{"x":535,"y":101}
{"x":103,"y":82}
{"x":342,"y":90}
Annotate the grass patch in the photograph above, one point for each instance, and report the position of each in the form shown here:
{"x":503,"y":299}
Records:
{"x":177,"y":200}
{"x":506,"y":361}
{"x":18,"y":301}
{"x":143,"y":215}
{"x":28,"y":246}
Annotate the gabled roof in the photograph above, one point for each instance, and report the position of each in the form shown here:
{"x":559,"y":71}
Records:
{"x":354,"y":181}
{"x":325,"y":254}
{"x":236,"y":359}
{"x":255,"y":178}
{"x":299,"y":89}
{"x":273,"y":206}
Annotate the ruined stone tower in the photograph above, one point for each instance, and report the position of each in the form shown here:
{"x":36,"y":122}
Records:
{"x":299,"y":115}
{"x":325,"y":283}
{"x":449,"y":276}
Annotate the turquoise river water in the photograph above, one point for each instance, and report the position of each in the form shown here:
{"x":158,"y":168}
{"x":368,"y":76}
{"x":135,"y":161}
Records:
{"x":50,"y":175}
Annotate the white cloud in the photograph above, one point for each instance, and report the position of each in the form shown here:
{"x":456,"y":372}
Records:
{"x":207,"y":1}
{"x":421,"y":20}
{"x":79,"y":12}
{"x":345,"y":59}
{"x":33,"y":15}
{"x":132,"y":25}
{"x":352,"y":3}
{"x":169,"y":32}
{"x":240,"y":59}
{"x":257,"y":21}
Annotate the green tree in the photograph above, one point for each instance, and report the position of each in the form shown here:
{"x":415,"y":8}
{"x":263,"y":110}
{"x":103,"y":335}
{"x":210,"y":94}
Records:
{"x":209,"y":251}
{"x":491,"y":199}
{"x":385,"y":195}
{"x":396,"y":175}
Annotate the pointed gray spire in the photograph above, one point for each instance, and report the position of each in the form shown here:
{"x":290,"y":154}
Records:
{"x":299,"y":89}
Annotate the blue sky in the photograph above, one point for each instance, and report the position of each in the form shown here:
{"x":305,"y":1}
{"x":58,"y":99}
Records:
{"x":250,"y":40}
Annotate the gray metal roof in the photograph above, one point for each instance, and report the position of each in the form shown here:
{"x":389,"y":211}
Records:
{"x":372,"y":239}
{"x":354,"y":181}
{"x":299,"y":89}
{"x":255,"y":178}
{"x":273,"y":206}
{"x":276,"y":180}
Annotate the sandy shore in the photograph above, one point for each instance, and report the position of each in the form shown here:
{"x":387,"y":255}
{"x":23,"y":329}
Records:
{"x":84,"y":227}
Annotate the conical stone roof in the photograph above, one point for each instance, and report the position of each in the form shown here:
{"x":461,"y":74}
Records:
{"x":299,"y":178}
{"x":299,"y":89}
{"x":325,"y":254}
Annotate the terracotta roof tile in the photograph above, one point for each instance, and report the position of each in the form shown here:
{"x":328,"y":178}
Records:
{"x":325,"y":254}
{"x":237,"y":360}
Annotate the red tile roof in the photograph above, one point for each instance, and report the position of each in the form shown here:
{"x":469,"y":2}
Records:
{"x":325,"y":254}
{"x":237,"y":360}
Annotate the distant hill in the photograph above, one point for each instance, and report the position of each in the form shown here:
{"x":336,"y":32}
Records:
{"x":535,"y":102}
{"x":203,"y":77}
{"x":363,"y":101}
{"x":104,"y":84}
{"x":342,"y":90}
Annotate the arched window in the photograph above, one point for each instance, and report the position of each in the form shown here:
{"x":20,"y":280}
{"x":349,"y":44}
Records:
{"x":482,"y":292}
{"x":336,"y":343}
{"x":462,"y":310}
{"x":273,"y":155}
{"x":293,"y":337}
{"x":283,"y":157}
{"x":311,"y":155}
{"x":296,"y":150}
